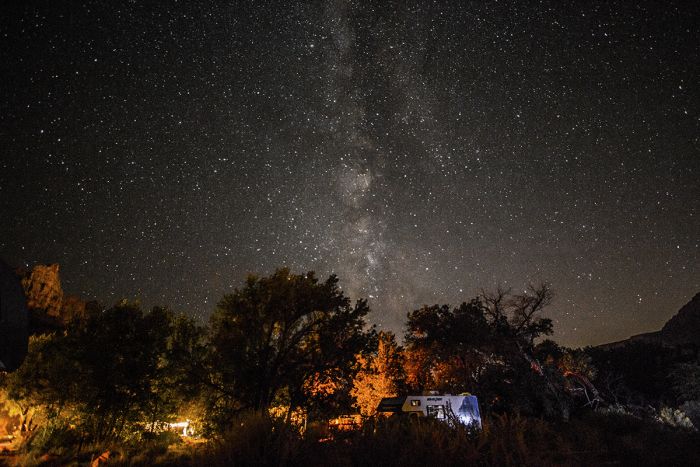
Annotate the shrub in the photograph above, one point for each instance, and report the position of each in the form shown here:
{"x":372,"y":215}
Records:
{"x":675,"y":418}
{"x":256,"y":439}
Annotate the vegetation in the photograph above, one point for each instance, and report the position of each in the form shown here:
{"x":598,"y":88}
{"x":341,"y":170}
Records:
{"x":486,"y":347}
{"x":110,"y":375}
{"x":283,"y":354}
{"x":506,"y":440}
{"x":380,"y":374}
{"x":268,"y":339}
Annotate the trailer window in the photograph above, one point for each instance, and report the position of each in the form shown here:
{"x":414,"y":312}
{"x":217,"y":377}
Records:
{"x":437,"y":411}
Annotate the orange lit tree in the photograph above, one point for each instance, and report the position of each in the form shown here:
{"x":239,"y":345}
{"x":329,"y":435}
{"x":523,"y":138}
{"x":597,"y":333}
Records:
{"x":379,"y":375}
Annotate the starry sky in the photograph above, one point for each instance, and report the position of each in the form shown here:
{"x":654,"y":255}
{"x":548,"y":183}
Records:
{"x":419,"y":150}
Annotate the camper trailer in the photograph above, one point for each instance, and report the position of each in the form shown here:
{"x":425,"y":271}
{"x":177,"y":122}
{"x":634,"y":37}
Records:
{"x":464,"y":408}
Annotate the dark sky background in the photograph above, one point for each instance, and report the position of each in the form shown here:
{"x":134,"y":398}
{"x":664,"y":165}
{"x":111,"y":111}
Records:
{"x":419,"y":150}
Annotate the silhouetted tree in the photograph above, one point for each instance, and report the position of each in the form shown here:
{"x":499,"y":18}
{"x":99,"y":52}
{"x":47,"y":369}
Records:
{"x":112,"y":369}
{"x":637,"y":373}
{"x":548,"y":351}
{"x":276,"y":333}
{"x":486,"y":346}
{"x":456,"y":339}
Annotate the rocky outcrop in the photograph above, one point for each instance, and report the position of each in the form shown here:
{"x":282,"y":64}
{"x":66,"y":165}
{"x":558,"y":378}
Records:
{"x":73,"y":307}
{"x":42,"y":287}
{"x":684,"y":327}
{"x":46,"y":299}
{"x":14,"y":320}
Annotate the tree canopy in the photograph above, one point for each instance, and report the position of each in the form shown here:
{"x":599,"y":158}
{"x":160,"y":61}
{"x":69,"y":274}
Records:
{"x":380,"y":374}
{"x":484,"y":346}
{"x":111,"y":369}
{"x":274,"y":334}
{"x":288,"y":344}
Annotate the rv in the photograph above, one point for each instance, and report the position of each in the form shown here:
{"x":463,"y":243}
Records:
{"x":464,"y":408}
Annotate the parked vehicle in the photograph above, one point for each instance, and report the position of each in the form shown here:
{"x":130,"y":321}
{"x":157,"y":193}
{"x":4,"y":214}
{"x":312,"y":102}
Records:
{"x":463,"y":408}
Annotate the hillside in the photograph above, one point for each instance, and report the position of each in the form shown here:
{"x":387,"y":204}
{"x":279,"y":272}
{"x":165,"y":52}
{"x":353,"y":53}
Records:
{"x":682,"y":329}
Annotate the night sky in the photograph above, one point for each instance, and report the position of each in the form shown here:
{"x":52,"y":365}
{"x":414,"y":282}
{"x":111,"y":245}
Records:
{"x":419,"y":150}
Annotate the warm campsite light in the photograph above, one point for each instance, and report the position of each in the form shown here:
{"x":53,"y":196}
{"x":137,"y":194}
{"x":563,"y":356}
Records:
{"x":186,"y":431}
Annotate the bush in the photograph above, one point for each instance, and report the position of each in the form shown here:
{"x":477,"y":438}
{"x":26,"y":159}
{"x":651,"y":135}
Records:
{"x":675,"y":418}
{"x":55,"y":440}
{"x":257,"y":439}
{"x":692,"y":410}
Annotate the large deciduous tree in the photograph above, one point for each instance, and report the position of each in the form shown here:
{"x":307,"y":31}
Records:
{"x":485,"y":346}
{"x":110,"y":370}
{"x":446,"y":347}
{"x":274,"y":335}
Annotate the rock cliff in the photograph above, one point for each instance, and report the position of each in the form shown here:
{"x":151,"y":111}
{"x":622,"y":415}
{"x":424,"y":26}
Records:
{"x":14,"y":320}
{"x":42,"y":287}
{"x":682,"y":329}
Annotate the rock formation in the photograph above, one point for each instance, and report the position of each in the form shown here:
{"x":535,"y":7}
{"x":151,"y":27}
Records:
{"x":681,"y":330}
{"x":684,"y":327}
{"x":42,"y":287}
{"x":46,"y":299}
{"x":14,"y":320}
{"x":73,"y":307}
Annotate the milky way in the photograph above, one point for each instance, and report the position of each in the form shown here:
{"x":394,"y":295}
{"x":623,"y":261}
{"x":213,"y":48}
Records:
{"x":419,"y":151}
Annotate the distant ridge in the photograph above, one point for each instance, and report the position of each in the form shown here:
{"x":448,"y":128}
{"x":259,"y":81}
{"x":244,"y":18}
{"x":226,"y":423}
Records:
{"x":682,"y":329}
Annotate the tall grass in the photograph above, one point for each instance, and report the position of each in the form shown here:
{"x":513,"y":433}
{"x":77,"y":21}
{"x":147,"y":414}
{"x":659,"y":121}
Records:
{"x":506,"y":440}
{"x":258,"y":440}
